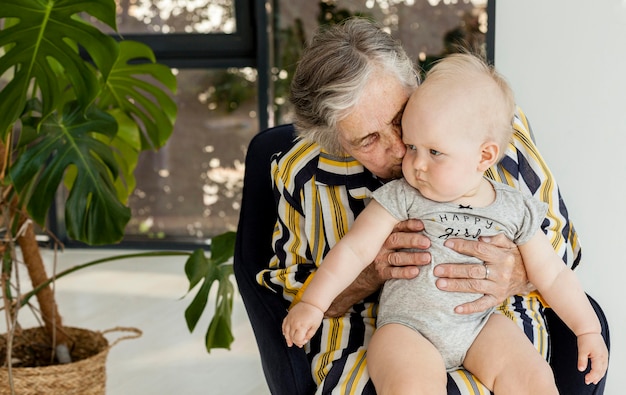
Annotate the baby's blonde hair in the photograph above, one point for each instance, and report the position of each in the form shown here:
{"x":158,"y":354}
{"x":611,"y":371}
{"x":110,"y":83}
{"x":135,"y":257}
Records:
{"x":495,"y":100}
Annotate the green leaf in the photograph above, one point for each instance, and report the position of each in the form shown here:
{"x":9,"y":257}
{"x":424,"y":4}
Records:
{"x":219,"y":334}
{"x":223,"y":247}
{"x":126,"y":88}
{"x":93,"y":212}
{"x":43,"y":43}
{"x":196,"y":268}
{"x":126,"y":149}
{"x":208,"y":271}
{"x":194,"y":311}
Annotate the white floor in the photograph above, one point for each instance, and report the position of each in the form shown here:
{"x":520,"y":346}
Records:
{"x":167,"y":359}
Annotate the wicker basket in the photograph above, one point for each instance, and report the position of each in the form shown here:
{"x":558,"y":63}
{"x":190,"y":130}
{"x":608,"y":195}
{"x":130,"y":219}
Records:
{"x":85,"y":376}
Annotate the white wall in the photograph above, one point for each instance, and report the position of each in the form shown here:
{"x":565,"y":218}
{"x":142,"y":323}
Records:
{"x":566,"y":61}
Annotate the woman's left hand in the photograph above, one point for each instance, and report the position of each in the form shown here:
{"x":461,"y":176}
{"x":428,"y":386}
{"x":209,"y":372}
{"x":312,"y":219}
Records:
{"x":501,"y":275}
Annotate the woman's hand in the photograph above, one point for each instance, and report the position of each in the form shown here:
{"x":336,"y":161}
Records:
{"x":501,"y":275}
{"x":393,"y":261}
{"x":389,"y":263}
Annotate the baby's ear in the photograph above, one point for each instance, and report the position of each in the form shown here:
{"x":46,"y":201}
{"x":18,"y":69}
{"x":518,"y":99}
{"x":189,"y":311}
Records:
{"x":489,"y":154}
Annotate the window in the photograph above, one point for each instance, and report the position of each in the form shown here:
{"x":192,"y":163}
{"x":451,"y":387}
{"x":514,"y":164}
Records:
{"x":190,"y":190}
{"x":234,"y":60}
{"x":428,"y":29}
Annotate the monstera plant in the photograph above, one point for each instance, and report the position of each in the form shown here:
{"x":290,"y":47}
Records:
{"x":77,"y":107}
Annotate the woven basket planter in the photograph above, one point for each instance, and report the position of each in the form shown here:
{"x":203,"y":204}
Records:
{"x":85,"y":376}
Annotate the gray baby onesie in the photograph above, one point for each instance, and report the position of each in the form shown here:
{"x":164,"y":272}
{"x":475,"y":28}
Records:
{"x":418,"y":303}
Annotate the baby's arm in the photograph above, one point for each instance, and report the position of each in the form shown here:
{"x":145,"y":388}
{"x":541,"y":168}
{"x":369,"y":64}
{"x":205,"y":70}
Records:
{"x":340,"y":267}
{"x":560,"y":287}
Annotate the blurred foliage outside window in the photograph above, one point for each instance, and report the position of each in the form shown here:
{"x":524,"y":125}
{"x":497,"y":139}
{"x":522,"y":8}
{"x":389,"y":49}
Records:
{"x":190,"y":190}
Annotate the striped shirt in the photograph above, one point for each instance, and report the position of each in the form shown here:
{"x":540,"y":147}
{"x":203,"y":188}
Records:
{"x":318,"y":197}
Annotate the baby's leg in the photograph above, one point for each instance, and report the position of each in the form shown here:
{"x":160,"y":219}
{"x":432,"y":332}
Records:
{"x":401,"y":361}
{"x":506,"y":362}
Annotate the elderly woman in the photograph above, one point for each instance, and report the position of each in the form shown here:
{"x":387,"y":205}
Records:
{"x":349,"y":92}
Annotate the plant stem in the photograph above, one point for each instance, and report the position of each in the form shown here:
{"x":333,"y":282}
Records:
{"x":37,"y":273}
{"x":26,"y":297}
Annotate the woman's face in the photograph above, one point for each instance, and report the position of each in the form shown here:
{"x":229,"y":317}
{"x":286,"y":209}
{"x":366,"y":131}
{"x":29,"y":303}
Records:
{"x":372,"y":132}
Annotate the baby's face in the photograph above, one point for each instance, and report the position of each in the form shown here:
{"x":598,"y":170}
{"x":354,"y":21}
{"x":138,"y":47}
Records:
{"x":443,"y":154}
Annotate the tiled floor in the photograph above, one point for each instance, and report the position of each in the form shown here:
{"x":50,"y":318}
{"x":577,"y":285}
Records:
{"x":167,"y":359}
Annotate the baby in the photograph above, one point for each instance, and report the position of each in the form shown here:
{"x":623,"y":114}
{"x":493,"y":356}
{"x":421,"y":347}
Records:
{"x":456,"y":125}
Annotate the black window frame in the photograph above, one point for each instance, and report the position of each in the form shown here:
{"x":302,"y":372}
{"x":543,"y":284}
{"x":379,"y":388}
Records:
{"x":247,"y":47}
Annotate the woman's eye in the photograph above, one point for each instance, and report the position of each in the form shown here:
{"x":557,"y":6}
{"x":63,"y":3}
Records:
{"x":434,"y":152}
{"x":371,"y":139}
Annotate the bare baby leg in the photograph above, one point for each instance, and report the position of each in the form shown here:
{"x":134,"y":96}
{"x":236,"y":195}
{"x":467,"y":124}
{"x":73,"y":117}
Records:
{"x":401,"y":361}
{"x":505,"y":361}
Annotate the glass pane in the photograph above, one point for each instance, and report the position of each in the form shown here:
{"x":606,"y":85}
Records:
{"x":176,"y":16}
{"x":428,"y":29}
{"x":191,"y":189}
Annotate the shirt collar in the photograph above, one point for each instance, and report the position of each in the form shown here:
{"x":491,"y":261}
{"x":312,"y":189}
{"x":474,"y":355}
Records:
{"x":333,"y":170}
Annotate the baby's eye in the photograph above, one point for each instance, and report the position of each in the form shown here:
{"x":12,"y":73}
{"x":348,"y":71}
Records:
{"x":410,"y":147}
{"x":434,"y":152}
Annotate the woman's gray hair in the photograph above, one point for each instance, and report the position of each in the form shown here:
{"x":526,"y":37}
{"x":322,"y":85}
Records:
{"x":333,"y":71}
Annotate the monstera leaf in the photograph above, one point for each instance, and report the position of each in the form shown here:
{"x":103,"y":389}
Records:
{"x":81,"y":107}
{"x":140,"y":99}
{"x":42,"y":41}
{"x":94,"y":214}
{"x":207,"y":271}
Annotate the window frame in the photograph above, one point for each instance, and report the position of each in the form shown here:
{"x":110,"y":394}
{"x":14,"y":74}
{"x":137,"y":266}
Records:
{"x":247,"y":47}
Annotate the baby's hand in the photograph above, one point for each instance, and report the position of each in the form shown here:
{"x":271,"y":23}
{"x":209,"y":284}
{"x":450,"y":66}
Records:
{"x":592,"y":346}
{"x":301,"y":323}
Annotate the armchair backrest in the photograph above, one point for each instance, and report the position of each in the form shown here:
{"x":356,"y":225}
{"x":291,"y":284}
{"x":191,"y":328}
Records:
{"x":286,"y":369}
{"x":258,"y":208}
